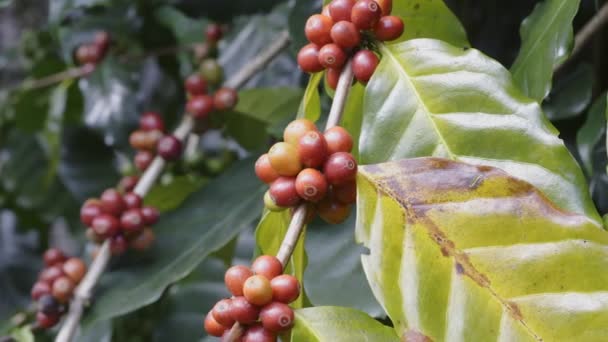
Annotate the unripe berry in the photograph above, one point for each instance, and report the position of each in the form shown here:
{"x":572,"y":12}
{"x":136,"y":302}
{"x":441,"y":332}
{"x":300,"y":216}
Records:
{"x":264,"y":170}
{"x":212,"y":71}
{"x":213,"y":32}
{"x":364,"y":65}
{"x":365,"y":14}
{"x":257,"y":333}
{"x":332,"y":76}
{"x":284,"y":159}
{"x":118,"y":245}
{"x":345,"y":34}
{"x":225,"y":99}
{"x":318,"y":29}
{"x":338,"y":140}
{"x":345,"y":193}
{"x":308,"y":58}
{"x":270,"y":204}
{"x":132,"y":200}
{"x":102,"y":41}
{"x":311,"y":185}
{"x":283,"y":192}
{"x":296,"y":129}
{"x":48,"y":305}
{"x":312,"y":149}
{"x":169,"y":148}
{"x":143,"y":159}
{"x":340,"y":168}
{"x":277,"y":317}
{"x":332,"y":56}
{"x":75,"y":269}
{"x":151,"y":139}
{"x":63,"y":288}
{"x":196,"y":85}
{"x":285,"y":288}
{"x":132,"y":220}
{"x":212,"y":327}
{"x":243,"y":311}
{"x":151,"y":121}
{"x":386,"y":6}
{"x":222,"y":312}
{"x":340,"y":10}
{"x":389,"y":28}
{"x":90,"y":209}
{"x":51,"y":274}
{"x":257,"y":290}
{"x":235,"y":277}
{"x":53,"y":256}
{"x":268,"y":266}
{"x":137,"y":140}
{"x":332,"y":211}
{"x":150,"y":215}
{"x":112,"y":202}
{"x":45,"y":321}
{"x":106,"y":225}
{"x":40,"y":289}
{"x":200,"y":106}
{"x":127,"y":184}
{"x":143,"y":240}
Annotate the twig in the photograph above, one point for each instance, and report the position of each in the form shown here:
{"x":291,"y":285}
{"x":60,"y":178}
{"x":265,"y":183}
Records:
{"x":68,"y":74}
{"x":83,"y":292}
{"x":298,"y":220}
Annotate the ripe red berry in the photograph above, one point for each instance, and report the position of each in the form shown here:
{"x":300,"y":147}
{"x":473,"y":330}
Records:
{"x":365,"y":14}
{"x":312,"y":149}
{"x":127,"y":184}
{"x":143,"y":240}
{"x":132,"y":220}
{"x":285,"y":288}
{"x":118,"y":245}
{"x":257,"y":333}
{"x":332,"y":211}
{"x":338,"y":140}
{"x":196,"y":85}
{"x":40,"y":289}
{"x":46,"y":321}
{"x":51,"y":274}
{"x":151,"y":121}
{"x":53,"y":256}
{"x":106,"y":225}
{"x":200,"y":107}
{"x":264,"y":170}
{"x":212,"y":327}
{"x":222,"y":312}
{"x":332,"y":76}
{"x":88,"y":54}
{"x":283,"y":192}
{"x":277,"y":317}
{"x":386,"y":6}
{"x":63,"y":288}
{"x":311,"y":185}
{"x":235,"y":277}
{"x":345,"y":34}
{"x":102,"y":41}
{"x":345,"y":193}
{"x":90,"y":209}
{"x":243,"y":311}
{"x":225,"y":99}
{"x":318,"y":29}
{"x":296,"y":129}
{"x":308,"y":58}
{"x":284,"y":159}
{"x":389,"y":28}
{"x":169,"y":148}
{"x":75,"y":269}
{"x":150,"y":215}
{"x":268,"y":266}
{"x":132,"y":200}
{"x":143,"y":159}
{"x":364,"y":65}
{"x":257,"y":290}
{"x":112,"y":202}
{"x":332,"y":56}
{"x":340,"y":10}
{"x":137,"y":140}
{"x":213,"y":32}
{"x":340,"y":168}
{"x":48,"y":305}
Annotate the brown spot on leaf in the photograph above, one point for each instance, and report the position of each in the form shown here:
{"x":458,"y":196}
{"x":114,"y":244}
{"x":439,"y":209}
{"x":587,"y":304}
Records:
{"x":514,"y":309}
{"x":415,"y":336}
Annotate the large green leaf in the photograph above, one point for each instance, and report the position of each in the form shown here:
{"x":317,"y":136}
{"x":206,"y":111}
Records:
{"x":428,"y":98}
{"x":571,"y":94}
{"x":465,"y":252}
{"x":589,"y":137}
{"x":546,"y":42}
{"x":338,"y":324}
{"x":310,"y":107}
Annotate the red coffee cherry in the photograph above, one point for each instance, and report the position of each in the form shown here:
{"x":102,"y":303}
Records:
{"x":318,"y":29}
{"x":285,"y":288}
{"x":345,"y":193}
{"x":63,"y":288}
{"x":51,"y":274}
{"x":296,"y":129}
{"x":283,"y":192}
{"x":150,"y":215}
{"x":90,"y":209}
{"x":48,"y":305}
{"x":169,"y":148}
{"x":340,"y":168}
{"x":112,"y":202}
{"x":143,"y":159}
{"x":212,"y":327}
{"x":257,"y":290}
{"x":196,"y":85}
{"x":257,"y":333}
{"x":102,"y":41}
{"x":345,"y":34}
{"x":143,"y":240}
{"x":338,"y":140}
{"x":137,"y":140}
{"x":332,"y":76}
{"x":386,"y":6}
{"x":235,"y":278}
{"x":151,"y":121}
{"x":200,"y":106}
{"x":270,"y":204}
{"x":312,"y":149}
{"x":308,"y":58}
{"x":88,"y":54}
{"x":118,"y":245}
{"x":127,"y":184}
{"x":132,"y":200}
{"x":332,"y":211}
{"x":268,"y":266}
{"x":75,"y":269}
{"x":106,"y":225}
{"x":243,"y":311}
{"x":132,"y":220}
{"x":151,"y":139}
{"x":389,"y":28}
{"x":364,"y":65}
{"x":284,"y":159}
{"x":332,"y":56}
{"x":365,"y":14}
{"x":277,"y":317}
{"x":46,"y":321}
{"x":40,"y":289}
{"x":222,"y":312}
{"x":225,"y":99}
{"x":311,"y":185}
{"x":53,"y":256}
{"x":264,"y":170}
{"x":213,"y":32}
{"x":340,"y":10}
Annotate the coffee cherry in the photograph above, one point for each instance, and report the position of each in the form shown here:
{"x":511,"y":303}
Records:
{"x":345,"y":34}
{"x":340,"y":10}
{"x":270,"y":204}
{"x":222,"y":312}
{"x":51,"y":274}
{"x":75,"y":269}
{"x":332,"y":56}
{"x":365,"y":14}
{"x":132,"y":220}
{"x":212,"y":327}
{"x":143,"y":159}
{"x":102,"y":41}
{"x":118,"y":245}
{"x":338,"y":140}
{"x":143,"y":240}
{"x":94,"y":237}
{"x":169,"y":148}
{"x":284,"y":159}
{"x":340,"y":168}
{"x":257,"y":333}
{"x":332,"y":76}
{"x":46,"y":321}
{"x":151,"y":121}
{"x":150,"y":215}
{"x":332,"y":211}
{"x":40,"y":289}
{"x":386,"y":6}
{"x":264,"y":170}
{"x":277,"y":317}
{"x":311,"y":185}
{"x":196,"y":85}
{"x":53,"y":256}
{"x":283,"y":192}
{"x":132,"y":200}
{"x":389,"y":28}
{"x":257,"y":290}
{"x":308,"y":58}
{"x":243,"y":311}
{"x":364,"y":65}
{"x":48,"y":305}
{"x":268,"y":266}
{"x":297,"y":129}
{"x":318,"y":29}
{"x":63,"y":287}
{"x":127,"y":184}
{"x":235,"y":277}
{"x":225,"y":99}
{"x":90,"y":209}
{"x":88,"y":54}
{"x":200,"y":106}
{"x":345,"y":193}
{"x":137,"y":140}
{"x":112,"y":202}
{"x":213,"y":32}
{"x":212,"y":71}
{"x":106,"y":225}
{"x":285,"y":288}
{"x":312,"y":149}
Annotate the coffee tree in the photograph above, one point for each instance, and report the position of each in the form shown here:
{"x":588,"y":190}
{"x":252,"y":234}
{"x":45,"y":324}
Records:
{"x":353,"y":170}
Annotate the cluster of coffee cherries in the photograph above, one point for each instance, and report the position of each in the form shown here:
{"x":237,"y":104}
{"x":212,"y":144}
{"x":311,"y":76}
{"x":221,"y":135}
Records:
{"x":92,"y":53}
{"x":339,"y":32}
{"x":310,"y":166}
{"x":121,"y":218}
{"x":55,"y":286}
{"x":261,"y":295}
